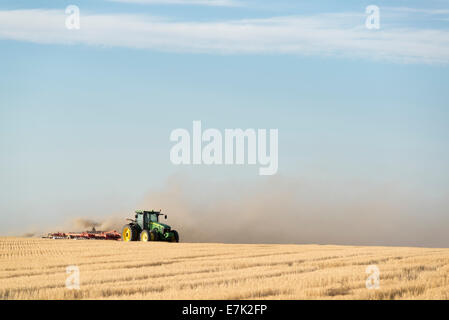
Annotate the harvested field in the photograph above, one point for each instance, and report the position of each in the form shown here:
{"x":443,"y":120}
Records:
{"x":36,"y":269}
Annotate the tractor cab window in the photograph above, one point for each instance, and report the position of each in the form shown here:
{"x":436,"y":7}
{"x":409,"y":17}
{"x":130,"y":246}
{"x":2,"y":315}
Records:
{"x":154,"y":218}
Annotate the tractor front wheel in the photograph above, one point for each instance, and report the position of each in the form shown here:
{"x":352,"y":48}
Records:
{"x":129,"y":233}
{"x":144,"y":236}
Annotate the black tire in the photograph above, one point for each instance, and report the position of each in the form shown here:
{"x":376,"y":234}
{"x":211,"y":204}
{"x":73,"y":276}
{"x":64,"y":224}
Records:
{"x":135,"y":232}
{"x":145,"y":236}
{"x":129,"y":233}
{"x":176,"y":236}
{"x":154,"y":236}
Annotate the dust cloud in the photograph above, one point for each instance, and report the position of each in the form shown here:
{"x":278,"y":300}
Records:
{"x":104,"y":224}
{"x":286,"y":210}
{"x":29,"y":235}
{"x":291,"y":210}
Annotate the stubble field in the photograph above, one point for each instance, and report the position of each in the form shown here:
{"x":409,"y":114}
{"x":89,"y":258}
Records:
{"x":36,"y":269}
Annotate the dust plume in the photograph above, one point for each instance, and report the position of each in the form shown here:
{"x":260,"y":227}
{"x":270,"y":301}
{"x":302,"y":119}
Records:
{"x":287,"y":210}
{"x":29,"y":235}
{"x":81,"y":223}
{"x":104,"y":224}
{"x":291,"y":210}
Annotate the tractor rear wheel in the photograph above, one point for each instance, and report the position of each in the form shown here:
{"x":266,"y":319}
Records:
{"x":129,"y":233}
{"x":144,"y":236}
{"x":175,"y":236}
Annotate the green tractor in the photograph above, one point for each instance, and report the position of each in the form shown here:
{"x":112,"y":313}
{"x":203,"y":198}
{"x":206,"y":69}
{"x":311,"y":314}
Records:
{"x":146,"y":227}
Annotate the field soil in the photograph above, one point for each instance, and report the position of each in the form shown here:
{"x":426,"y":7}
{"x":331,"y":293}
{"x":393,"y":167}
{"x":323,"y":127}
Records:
{"x":37,"y":269}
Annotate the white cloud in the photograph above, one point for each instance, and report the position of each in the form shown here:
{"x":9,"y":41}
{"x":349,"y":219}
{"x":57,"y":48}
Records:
{"x":323,"y":35}
{"x":218,"y":3}
{"x":419,"y":10}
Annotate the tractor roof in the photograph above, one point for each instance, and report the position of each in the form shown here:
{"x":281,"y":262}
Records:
{"x":152,"y":211}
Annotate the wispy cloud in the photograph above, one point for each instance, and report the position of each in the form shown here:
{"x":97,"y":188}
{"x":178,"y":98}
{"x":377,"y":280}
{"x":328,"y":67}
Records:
{"x":341,"y":35}
{"x":419,"y":10}
{"x":217,"y":3}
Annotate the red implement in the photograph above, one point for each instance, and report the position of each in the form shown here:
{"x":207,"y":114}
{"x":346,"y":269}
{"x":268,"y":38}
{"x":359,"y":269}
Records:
{"x":94,"y":235}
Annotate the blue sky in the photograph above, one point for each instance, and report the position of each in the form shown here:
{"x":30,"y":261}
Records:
{"x":85,"y":115}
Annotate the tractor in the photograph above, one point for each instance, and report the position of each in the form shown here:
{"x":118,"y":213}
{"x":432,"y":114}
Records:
{"x":146,"y":227}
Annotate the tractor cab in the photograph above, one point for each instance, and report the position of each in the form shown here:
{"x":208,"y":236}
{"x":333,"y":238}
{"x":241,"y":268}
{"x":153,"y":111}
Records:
{"x":144,"y":217}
